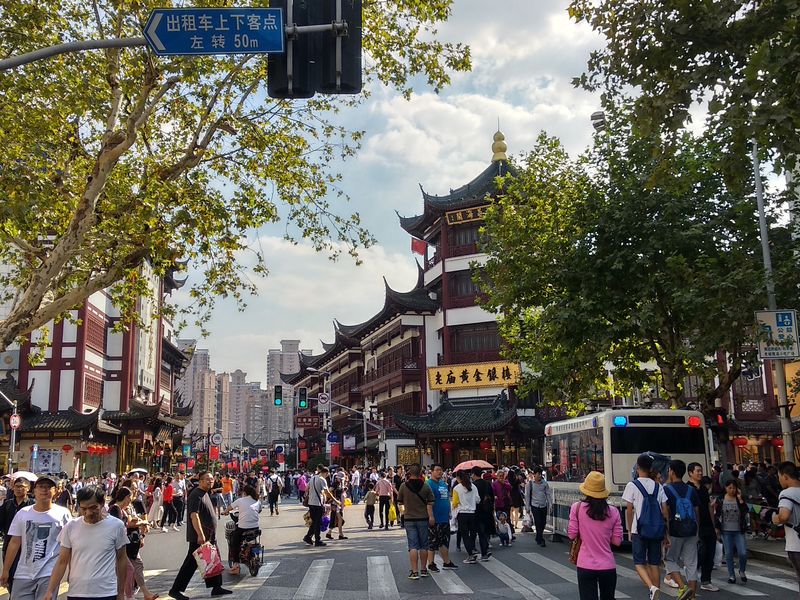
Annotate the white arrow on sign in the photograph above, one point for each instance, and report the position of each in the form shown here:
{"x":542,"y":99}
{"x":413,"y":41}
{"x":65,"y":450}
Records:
{"x":151,"y":31}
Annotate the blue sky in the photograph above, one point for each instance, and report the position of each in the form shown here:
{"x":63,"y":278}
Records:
{"x":525,"y":53}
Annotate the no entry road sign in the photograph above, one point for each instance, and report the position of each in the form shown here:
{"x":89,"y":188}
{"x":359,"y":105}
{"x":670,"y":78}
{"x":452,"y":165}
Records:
{"x":173,"y":31}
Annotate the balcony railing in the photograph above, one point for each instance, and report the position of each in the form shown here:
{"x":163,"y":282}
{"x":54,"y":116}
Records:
{"x":432,"y":261}
{"x":471,"y":357}
{"x":463,"y":249}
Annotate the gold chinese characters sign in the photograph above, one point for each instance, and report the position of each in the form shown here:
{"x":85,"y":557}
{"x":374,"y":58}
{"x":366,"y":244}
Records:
{"x":473,"y":375}
{"x":465,"y":215}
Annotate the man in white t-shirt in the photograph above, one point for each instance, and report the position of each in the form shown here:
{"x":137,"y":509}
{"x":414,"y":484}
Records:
{"x":789,"y":511}
{"x":646,"y":552}
{"x":34,"y":535}
{"x":93,"y":547}
{"x":317,"y":493}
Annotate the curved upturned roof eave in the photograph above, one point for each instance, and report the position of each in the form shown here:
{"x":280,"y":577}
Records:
{"x":462,"y":197}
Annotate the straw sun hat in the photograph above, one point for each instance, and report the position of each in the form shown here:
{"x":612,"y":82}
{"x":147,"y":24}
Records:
{"x":594,"y":486}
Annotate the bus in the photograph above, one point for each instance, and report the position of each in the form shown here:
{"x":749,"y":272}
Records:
{"x":610,"y":442}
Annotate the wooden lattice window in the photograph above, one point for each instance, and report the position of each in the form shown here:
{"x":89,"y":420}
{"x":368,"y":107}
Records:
{"x":95,"y":333}
{"x":92,"y":391}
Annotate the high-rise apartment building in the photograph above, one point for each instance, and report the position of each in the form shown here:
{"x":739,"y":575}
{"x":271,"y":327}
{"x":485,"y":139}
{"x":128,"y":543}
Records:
{"x":237,"y":406}
{"x":257,"y":413}
{"x":222,"y":408}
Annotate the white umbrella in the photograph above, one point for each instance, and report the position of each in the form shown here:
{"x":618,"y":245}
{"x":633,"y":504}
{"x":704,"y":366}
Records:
{"x":25,"y":474}
{"x":138,"y":470}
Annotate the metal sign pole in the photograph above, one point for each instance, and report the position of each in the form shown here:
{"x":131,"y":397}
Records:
{"x":13,"y":436}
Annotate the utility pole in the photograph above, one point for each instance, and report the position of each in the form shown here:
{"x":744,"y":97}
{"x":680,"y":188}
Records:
{"x":13,"y":436}
{"x":780,"y":372}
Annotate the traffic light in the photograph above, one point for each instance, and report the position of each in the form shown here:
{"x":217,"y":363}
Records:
{"x":302,"y":397}
{"x":717,"y":422}
{"x":313,"y":55}
{"x":278,"y":395}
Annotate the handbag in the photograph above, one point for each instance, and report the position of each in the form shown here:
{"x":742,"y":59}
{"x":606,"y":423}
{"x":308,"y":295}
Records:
{"x":208,"y":560}
{"x":575,"y":545}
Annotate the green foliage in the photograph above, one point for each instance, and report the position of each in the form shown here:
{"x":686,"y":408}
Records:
{"x":739,"y":56}
{"x":117,"y":156}
{"x":649,"y":263}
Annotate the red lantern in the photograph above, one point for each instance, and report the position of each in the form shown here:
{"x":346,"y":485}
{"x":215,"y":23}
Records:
{"x":777,"y":442}
{"x":740,"y":441}
{"x":486,"y":445}
{"x":447,"y":446}
{"x":66,"y":448}
{"x":190,"y":463}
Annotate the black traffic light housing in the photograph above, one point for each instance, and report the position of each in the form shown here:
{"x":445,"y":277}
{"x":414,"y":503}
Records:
{"x":313,"y":56}
{"x":302,"y":397}
{"x":278,"y":395}
{"x":717,"y":422}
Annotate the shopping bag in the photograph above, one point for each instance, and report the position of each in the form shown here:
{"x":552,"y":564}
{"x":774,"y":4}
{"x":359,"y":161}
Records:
{"x":718,"y":555}
{"x":392,"y":513}
{"x":348,"y":502}
{"x":208,"y":560}
{"x":453,"y":524}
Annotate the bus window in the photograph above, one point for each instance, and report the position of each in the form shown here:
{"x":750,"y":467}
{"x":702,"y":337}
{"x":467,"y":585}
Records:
{"x":574,"y":455}
{"x":666,"y":440}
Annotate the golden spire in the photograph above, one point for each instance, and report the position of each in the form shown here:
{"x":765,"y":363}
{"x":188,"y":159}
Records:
{"x":499,"y":147}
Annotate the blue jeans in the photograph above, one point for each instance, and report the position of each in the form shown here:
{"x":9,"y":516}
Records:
{"x":417,"y":534}
{"x":734,"y":540}
{"x":355,"y":495}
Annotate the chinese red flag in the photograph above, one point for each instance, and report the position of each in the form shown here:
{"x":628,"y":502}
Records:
{"x":303,"y":456}
{"x":335,"y":451}
{"x":213,"y":453}
{"x":418,"y":246}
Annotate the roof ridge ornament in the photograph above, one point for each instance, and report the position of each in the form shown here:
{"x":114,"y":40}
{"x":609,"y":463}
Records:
{"x":499,"y":146}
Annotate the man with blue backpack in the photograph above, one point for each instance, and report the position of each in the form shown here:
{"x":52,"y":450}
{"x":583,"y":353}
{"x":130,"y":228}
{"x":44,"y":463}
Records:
{"x":684,"y":516}
{"x":647,"y":502}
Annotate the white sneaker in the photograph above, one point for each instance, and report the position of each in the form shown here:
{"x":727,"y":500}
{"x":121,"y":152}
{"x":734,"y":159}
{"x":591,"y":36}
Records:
{"x":164,"y":529}
{"x":670,"y":582}
{"x":654,"y":592}
{"x":709,"y":587}
{"x":175,"y":528}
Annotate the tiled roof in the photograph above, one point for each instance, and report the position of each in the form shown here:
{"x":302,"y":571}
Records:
{"x":530,"y":426}
{"x":458,"y":419}
{"x":768,"y":427}
{"x":471,"y":194}
{"x":62,"y":420}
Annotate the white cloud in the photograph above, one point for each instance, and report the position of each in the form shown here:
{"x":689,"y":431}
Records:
{"x":524,"y":56}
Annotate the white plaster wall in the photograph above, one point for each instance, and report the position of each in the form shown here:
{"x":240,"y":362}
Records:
{"x":70,"y":335}
{"x":111,"y":395}
{"x":69,"y":352}
{"x":432,"y":273}
{"x":469,"y":315}
{"x":66,"y":389}
{"x":93,"y":358}
{"x":462,"y":263}
{"x":114,"y":343}
{"x":40,"y":396}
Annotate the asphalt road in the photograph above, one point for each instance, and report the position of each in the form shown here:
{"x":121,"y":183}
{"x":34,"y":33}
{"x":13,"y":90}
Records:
{"x":373,"y":565}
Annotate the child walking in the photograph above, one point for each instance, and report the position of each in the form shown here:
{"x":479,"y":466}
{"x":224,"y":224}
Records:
{"x":369,"y":505}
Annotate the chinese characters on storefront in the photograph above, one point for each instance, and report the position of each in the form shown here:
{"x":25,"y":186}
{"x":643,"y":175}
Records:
{"x":474,"y":375}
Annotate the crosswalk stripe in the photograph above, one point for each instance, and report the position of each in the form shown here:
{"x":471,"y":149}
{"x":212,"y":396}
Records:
{"x":380,"y":579}
{"x":787,"y":585}
{"x":739,"y":590}
{"x":153,"y":572}
{"x":631,"y":574}
{"x":449,"y":582}
{"x":315,"y":580}
{"x":528,"y":590}
{"x":557,"y":568}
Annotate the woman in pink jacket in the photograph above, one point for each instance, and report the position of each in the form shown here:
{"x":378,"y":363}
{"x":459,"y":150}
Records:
{"x":599,"y":527}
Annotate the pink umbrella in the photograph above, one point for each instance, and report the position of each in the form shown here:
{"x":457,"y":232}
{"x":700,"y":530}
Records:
{"x":469,"y":464}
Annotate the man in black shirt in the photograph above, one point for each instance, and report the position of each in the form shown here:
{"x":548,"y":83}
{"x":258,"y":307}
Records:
{"x":706,"y":533}
{"x":8,"y":510}
{"x":484,"y":512}
{"x":201,"y":528}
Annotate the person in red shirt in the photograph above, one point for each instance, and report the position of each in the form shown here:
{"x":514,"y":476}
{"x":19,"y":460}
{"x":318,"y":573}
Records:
{"x":170,"y":514}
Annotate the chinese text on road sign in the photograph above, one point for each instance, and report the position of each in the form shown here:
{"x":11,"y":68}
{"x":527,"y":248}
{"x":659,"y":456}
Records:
{"x":171,"y":31}
{"x":778,"y":334}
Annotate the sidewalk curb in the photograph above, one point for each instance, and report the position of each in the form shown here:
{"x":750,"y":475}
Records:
{"x":768,"y":557}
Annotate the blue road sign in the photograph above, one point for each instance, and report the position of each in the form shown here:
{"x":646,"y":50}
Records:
{"x":171,"y":31}
{"x":333,"y":437}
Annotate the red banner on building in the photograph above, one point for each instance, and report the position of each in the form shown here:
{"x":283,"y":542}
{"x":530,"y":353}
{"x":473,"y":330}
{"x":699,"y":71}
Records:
{"x":213,"y":453}
{"x":303,"y":456}
{"x":418,"y":246}
{"x":335,"y":451}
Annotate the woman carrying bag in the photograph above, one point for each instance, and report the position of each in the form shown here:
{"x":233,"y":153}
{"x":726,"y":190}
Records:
{"x":594,"y":527}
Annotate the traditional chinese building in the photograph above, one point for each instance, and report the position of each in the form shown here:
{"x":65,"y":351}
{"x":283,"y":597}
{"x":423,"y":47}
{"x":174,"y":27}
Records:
{"x":473,"y":411}
{"x":94,"y":371}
